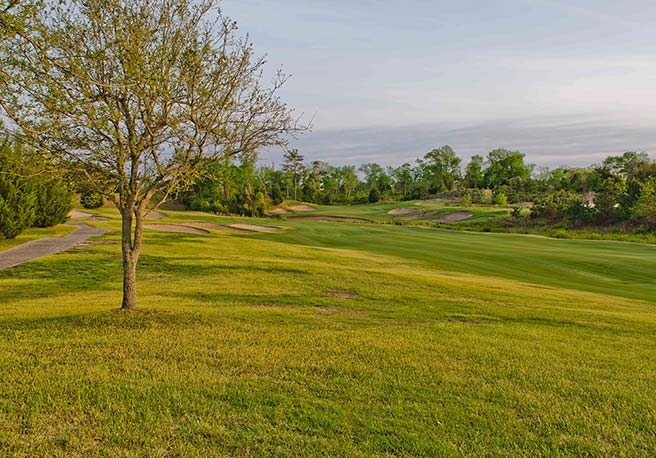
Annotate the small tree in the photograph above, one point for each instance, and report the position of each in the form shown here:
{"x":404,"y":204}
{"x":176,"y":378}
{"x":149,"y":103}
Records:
{"x":134,"y":93}
{"x":374,"y":196}
{"x":466,"y":200}
{"x":90,"y":198}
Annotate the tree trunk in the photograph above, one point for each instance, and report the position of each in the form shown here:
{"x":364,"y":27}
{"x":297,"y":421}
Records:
{"x":129,"y":283}
{"x":130,"y":248}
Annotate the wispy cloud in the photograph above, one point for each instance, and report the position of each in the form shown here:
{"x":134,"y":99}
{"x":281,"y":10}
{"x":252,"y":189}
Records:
{"x":576,"y":141}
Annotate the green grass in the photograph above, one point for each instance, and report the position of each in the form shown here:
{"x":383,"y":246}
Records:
{"x":330,"y":339}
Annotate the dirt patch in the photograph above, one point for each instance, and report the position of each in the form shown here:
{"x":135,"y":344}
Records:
{"x":155,"y":215}
{"x":420,"y":215}
{"x":255,"y":227}
{"x":208,"y":225}
{"x":341,"y":294}
{"x":302,"y":208}
{"x":402,"y":211}
{"x":454,"y":217}
{"x":278,"y":211}
{"x":175,"y":228}
{"x":339,"y":219}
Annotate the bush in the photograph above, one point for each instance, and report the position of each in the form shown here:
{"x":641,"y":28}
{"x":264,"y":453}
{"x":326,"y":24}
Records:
{"x":486,"y":196}
{"x":374,"y":196}
{"x":500,"y":199}
{"x":466,"y":200}
{"x":91,"y":199}
{"x":17,"y":206}
{"x":53,"y":203}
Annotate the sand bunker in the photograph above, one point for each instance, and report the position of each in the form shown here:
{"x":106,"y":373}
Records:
{"x":340,"y":219}
{"x":208,"y":225}
{"x":402,"y":211}
{"x":302,"y":208}
{"x":175,"y":228}
{"x":255,"y":227}
{"x":454,"y":217}
{"x":278,"y":211}
{"x":420,"y":215}
{"x":155,"y":215}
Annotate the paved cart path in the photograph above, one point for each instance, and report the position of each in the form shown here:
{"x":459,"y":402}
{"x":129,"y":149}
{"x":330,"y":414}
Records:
{"x":47,"y":246}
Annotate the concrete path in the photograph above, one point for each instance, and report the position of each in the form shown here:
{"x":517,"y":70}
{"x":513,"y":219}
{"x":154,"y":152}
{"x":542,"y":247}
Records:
{"x":46,"y":246}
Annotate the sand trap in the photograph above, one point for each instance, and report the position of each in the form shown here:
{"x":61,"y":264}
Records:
{"x":175,"y":228}
{"x":402,"y":211}
{"x":420,"y":215}
{"x":208,"y":225}
{"x":278,"y":211}
{"x":454,"y":217}
{"x":340,"y":219}
{"x":302,"y":208}
{"x":255,"y":227}
{"x":155,"y":215}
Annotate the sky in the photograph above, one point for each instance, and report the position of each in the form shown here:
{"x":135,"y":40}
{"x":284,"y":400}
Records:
{"x":565,"y":81}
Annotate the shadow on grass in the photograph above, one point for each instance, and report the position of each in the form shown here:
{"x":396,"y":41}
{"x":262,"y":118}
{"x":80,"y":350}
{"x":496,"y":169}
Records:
{"x":107,"y":320}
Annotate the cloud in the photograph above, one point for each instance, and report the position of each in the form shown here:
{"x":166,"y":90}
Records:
{"x":575,"y":141}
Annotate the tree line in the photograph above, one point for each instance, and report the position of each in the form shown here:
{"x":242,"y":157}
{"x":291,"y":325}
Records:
{"x":620,"y":188}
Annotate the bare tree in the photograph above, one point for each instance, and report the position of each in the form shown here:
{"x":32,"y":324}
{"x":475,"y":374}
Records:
{"x":134,"y":93}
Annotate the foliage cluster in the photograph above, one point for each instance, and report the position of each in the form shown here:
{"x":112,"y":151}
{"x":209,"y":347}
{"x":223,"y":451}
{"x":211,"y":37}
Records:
{"x":30,"y":195}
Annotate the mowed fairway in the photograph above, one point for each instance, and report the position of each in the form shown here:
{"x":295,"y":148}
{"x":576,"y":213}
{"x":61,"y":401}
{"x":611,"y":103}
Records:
{"x":328,"y":339}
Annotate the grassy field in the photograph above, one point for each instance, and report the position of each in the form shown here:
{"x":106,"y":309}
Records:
{"x":328,"y":339}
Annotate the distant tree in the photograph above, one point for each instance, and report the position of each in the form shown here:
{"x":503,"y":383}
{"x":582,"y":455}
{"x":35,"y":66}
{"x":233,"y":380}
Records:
{"x":474,"y":172}
{"x":403,"y":180}
{"x":132,"y":93}
{"x":621,"y":166}
{"x":504,"y":165}
{"x":294,"y":167}
{"x":374,"y":196}
{"x":444,"y":166}
{"x":348,"y":181}
{"x":375,"y":176}
{"x":644,"y":210}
